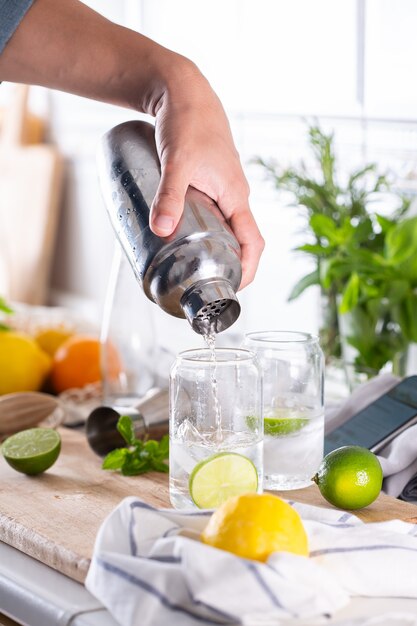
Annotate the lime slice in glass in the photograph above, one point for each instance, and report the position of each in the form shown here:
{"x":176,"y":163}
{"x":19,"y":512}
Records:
{"x":220,"y":477}
{"x":281,"y":426}
{"x":32,"y":451}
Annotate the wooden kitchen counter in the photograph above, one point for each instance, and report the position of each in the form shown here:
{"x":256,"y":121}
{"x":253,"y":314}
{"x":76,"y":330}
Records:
{"x":55,"y":517}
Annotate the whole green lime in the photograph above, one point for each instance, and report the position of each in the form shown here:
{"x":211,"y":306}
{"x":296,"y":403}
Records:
{"x":32,"y":451}
{"x":349,"y":477}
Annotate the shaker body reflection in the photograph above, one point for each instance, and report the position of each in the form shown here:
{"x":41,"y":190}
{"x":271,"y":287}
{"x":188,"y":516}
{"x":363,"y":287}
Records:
{"x":127,"y":331}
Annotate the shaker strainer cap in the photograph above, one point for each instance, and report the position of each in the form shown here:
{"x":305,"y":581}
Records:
{"x":210,"y":306}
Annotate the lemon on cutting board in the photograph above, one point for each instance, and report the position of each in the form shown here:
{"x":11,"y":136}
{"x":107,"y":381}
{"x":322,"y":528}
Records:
{"x":23,"y":365}
{"x":253,"y":526}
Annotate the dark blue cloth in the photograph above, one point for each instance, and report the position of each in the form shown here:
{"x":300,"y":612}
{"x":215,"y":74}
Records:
{"x":11,"y":14}
{"x":409,"y":493}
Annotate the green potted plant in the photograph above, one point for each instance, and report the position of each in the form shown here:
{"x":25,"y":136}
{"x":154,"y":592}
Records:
{"x":363,"y":261}
{"x":378,"y":307}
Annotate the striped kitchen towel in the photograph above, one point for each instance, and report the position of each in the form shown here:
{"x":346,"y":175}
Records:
{"x":146,"y":574}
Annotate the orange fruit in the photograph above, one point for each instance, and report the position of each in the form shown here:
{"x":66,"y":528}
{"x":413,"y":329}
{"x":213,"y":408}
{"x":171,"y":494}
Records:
{"x":77,"y":363}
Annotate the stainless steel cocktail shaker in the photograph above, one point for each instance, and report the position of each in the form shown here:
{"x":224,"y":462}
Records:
{"x":193,"y":273}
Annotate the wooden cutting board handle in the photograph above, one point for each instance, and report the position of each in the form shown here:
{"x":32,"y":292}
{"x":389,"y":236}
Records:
{"x":15,"y":118}
{"x":30,"y":182}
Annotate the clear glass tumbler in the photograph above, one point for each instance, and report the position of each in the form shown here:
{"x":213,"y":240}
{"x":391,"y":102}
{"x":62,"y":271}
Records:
{"x":292,"y":367}
{"x":215,"y":409}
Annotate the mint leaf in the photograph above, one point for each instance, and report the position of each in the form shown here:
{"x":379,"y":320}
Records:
{"x":307,"y":281}
{"x":164,"y":447}
{"x":4,"y":307}
{"x":126,"y":429}
{"x":159,"y":466}
{"x":351,"y":294}
{"x":151,"y":447}
{"x":140,"y":456}
{"x":134,"y":466}
{"x":115,"y":459}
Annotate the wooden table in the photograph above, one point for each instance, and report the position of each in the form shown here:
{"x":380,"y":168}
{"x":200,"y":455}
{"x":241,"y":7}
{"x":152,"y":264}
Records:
{"x":55,"y":517}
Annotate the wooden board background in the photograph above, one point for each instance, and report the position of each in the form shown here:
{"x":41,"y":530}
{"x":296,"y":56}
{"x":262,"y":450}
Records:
{"x":54,"y":517}
{"x":30,"y":187}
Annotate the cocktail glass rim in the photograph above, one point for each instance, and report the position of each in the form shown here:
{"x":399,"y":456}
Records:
{"x":281,"y":337}
{"x":223,"y":355}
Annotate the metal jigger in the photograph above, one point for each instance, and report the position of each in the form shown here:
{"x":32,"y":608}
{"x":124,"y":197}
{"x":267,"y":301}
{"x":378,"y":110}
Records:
{"x":150,"y":419}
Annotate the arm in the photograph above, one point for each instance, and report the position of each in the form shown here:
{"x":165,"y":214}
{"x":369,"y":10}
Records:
{"x":70,"y":47}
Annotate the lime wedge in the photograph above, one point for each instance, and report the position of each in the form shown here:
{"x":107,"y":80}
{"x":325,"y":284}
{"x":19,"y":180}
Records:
{"x":32,"y":451}
{"x":280,"y":426}
{"x":221,"y":476}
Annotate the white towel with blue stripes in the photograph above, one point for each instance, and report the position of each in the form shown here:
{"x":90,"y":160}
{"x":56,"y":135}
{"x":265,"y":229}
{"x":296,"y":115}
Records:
{"x":148,"y":575}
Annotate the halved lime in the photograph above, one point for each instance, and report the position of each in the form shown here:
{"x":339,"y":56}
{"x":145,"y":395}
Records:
{"x":32,"y":451}
{"x":280,"y":426}
{"x":221,"y":476}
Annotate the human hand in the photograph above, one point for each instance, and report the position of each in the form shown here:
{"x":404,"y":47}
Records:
{"x":81,"y":52}
{"x":196,"y":148}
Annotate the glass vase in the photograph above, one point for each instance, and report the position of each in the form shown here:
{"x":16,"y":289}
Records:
{"x":127,"y":337}
{"x":372,"y":343}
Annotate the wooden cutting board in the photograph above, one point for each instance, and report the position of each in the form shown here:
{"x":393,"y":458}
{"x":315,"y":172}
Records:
{"x":30,"y":185}
{"x":54,"y":517}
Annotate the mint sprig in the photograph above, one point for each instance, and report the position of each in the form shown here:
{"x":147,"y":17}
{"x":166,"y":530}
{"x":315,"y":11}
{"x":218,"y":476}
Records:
{"x":4,"y":308}
{"x":138,"y":457}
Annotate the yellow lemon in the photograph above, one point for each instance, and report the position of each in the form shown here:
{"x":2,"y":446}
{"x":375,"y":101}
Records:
{"x":255,"y":525}
{"x":50,"y":339}
{"x":23,"y":365}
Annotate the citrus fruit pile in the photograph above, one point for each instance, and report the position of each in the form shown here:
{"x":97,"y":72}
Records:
{"x":350,"y":477}
{"x":253,"y":526}
{"x":54,"y":357}
{"x":50,"y":339}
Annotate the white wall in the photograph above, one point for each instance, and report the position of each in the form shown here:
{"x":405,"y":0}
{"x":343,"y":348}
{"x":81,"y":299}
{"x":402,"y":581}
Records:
{"x":272,"y":62}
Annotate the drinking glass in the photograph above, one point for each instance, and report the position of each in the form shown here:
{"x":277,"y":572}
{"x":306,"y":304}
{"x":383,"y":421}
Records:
{"x":292,"y":367}
{"x":215,"y":407}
